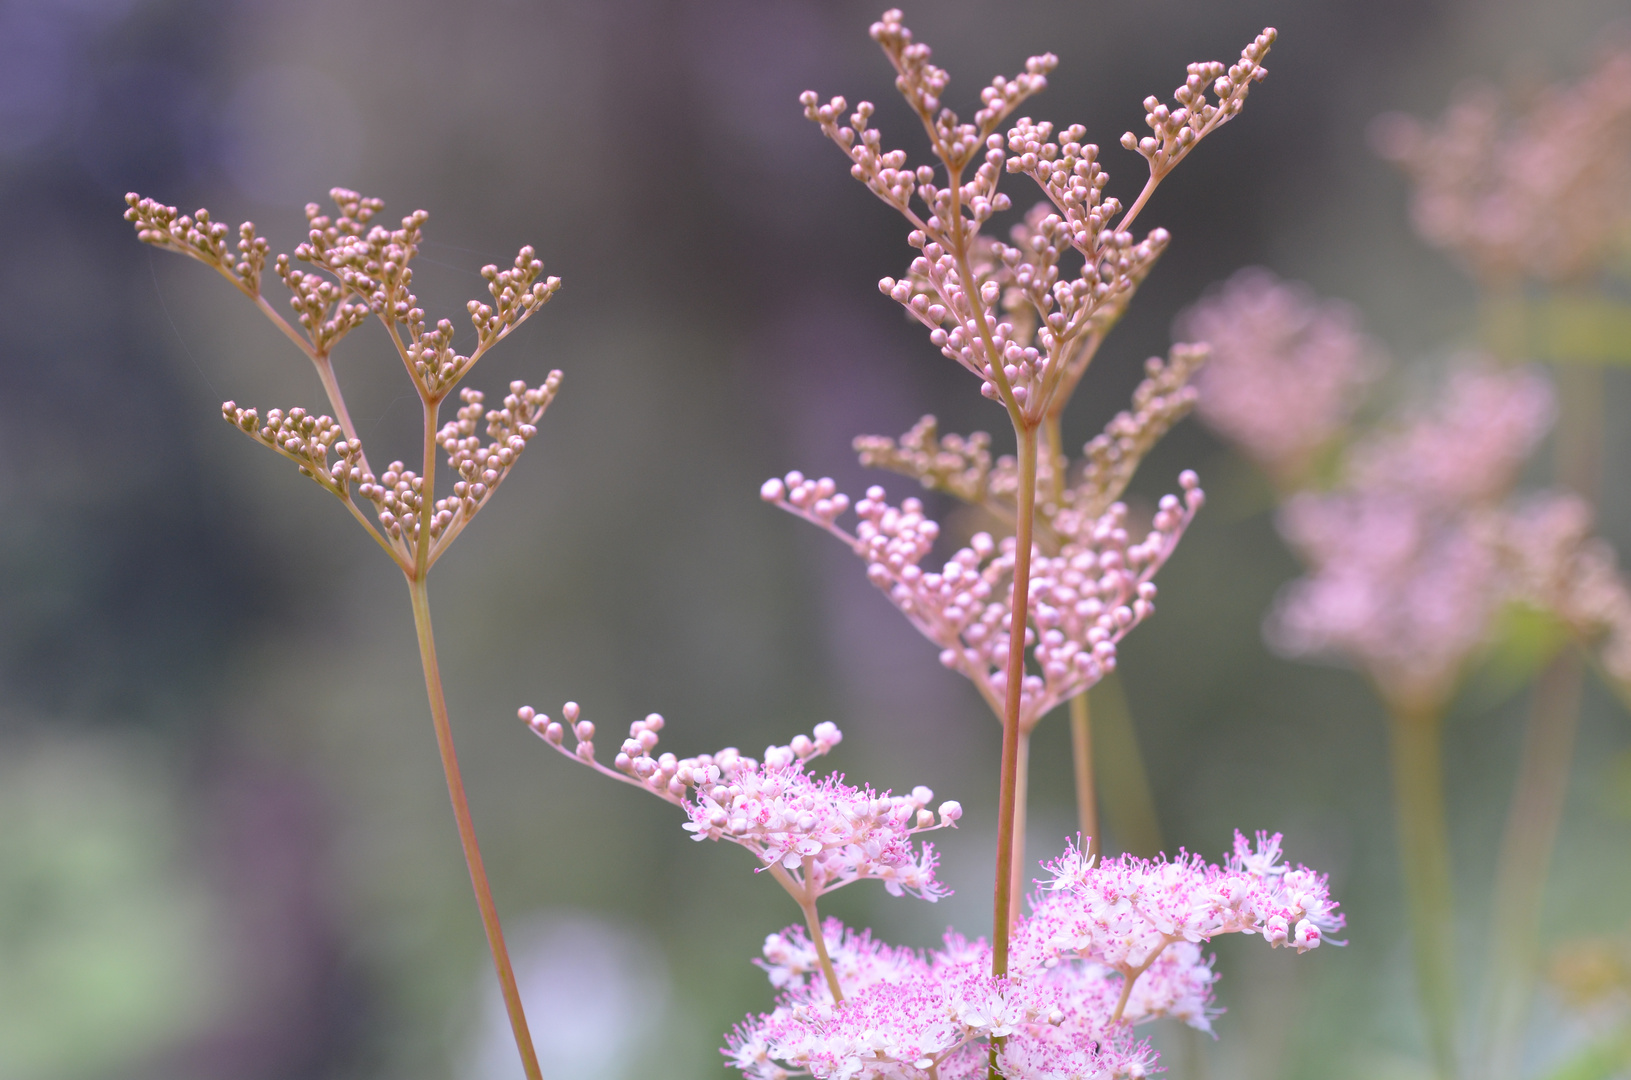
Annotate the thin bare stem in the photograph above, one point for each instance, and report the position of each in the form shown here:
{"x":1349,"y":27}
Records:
{"x":467,"y":829}
{"x":1006,"y":803}
{"x":1128,"y":978}
{"x":1022,"y":785}
{"x":803,"y":896}
{"x":1526,"y":855}
{"x":1424,"y":848}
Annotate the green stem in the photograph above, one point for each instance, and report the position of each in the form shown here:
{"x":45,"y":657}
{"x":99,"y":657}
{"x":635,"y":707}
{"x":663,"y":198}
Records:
{"x":1526,"y":855}
{"x":467,"y":829}
{"x":1418,"y":788}
{"x":1025,"y":500}
{"x":1081,"y":756}
{"x":1081,"y":723}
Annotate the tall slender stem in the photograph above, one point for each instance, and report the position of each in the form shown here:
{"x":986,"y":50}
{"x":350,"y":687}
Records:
{"x":1424,"y":847}
{"x":1006,"y":804}
{"x":1016,"y":865}
{"x":467,"y":829}
{"x":1526,"y":855}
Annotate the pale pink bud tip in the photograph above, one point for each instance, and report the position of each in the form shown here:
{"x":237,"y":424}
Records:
{"x":570,"y":711}
{"x":526,"y":713}
{"x":772,"y":490}
{"x":950,"y":811}
{"x":584,"y":730}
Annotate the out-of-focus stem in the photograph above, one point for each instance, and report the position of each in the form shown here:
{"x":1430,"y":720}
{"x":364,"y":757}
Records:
{"x":1526,"y":855}
{"x":1129,"y":805}
{"x":467,"y":829}
{"x":1081,"y":724}
{"x":1006,"y":805}
{"x":1081,"y":756}
{"x":1424,"y":849}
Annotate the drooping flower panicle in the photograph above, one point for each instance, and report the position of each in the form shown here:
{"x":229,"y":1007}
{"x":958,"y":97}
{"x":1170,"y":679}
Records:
{"x":821,"y":832}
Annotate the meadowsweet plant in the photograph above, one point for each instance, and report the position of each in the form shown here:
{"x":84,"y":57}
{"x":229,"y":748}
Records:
{"x":1420,"y":557}
{"x":1032,"y":619}
{"x":350,"y":269}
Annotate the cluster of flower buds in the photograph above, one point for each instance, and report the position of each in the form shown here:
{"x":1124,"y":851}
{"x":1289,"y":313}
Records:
{"x":1406,"y":572}
{"x":1106,"y":946}
{"x":955,"y":285}
{"x":305,"y":440}
{"x":818,"y":834}
{"x":201,"y":238}
{"x":962,"y":465}
{"x":482,"y":468}
{"x":1176,"y":130}
{"x":1287,"y":369}
{"x":1081,"y":601}
{"x":1544,"y":193}
{"x":1555,"y":563}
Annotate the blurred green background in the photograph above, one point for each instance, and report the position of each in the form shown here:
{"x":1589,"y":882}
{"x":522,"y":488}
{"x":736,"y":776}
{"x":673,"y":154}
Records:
{"x":225,"y":845}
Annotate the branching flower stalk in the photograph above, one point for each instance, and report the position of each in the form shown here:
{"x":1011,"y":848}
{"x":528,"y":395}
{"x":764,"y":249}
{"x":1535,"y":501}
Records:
{"x":1031,"y":619}
{"x":358,"y":269}
{"x":955,"y":285}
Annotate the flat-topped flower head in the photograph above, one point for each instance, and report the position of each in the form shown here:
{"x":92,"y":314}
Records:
{"x":1106,"y":947}
{"x":916,"y":1015}
{"x":1287,"y":369}
{"x":1125,"y":912}
{"x":1081,"y":601}
{"x":819,"y":832}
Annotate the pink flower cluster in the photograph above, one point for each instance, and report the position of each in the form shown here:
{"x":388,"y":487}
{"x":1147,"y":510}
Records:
{"x":1106,"y":946}
{"x":818,"y":832}
{"x":1081,"y":601}
{"x":1287,"y":369}
{"x":1406,"y":566}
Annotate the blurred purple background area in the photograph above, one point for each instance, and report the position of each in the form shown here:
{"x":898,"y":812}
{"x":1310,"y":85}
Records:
{"x":225,"y":845}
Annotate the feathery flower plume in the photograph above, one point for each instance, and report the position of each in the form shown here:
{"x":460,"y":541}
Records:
{"x":1081,"y":602}
{"x":1544,"y":193}
{"x":1287,"y":369}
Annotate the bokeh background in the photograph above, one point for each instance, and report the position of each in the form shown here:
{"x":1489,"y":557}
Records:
{"x":225,"y":845}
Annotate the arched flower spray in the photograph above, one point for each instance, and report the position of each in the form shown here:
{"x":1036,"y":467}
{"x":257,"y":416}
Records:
{"x":348,"y":269}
